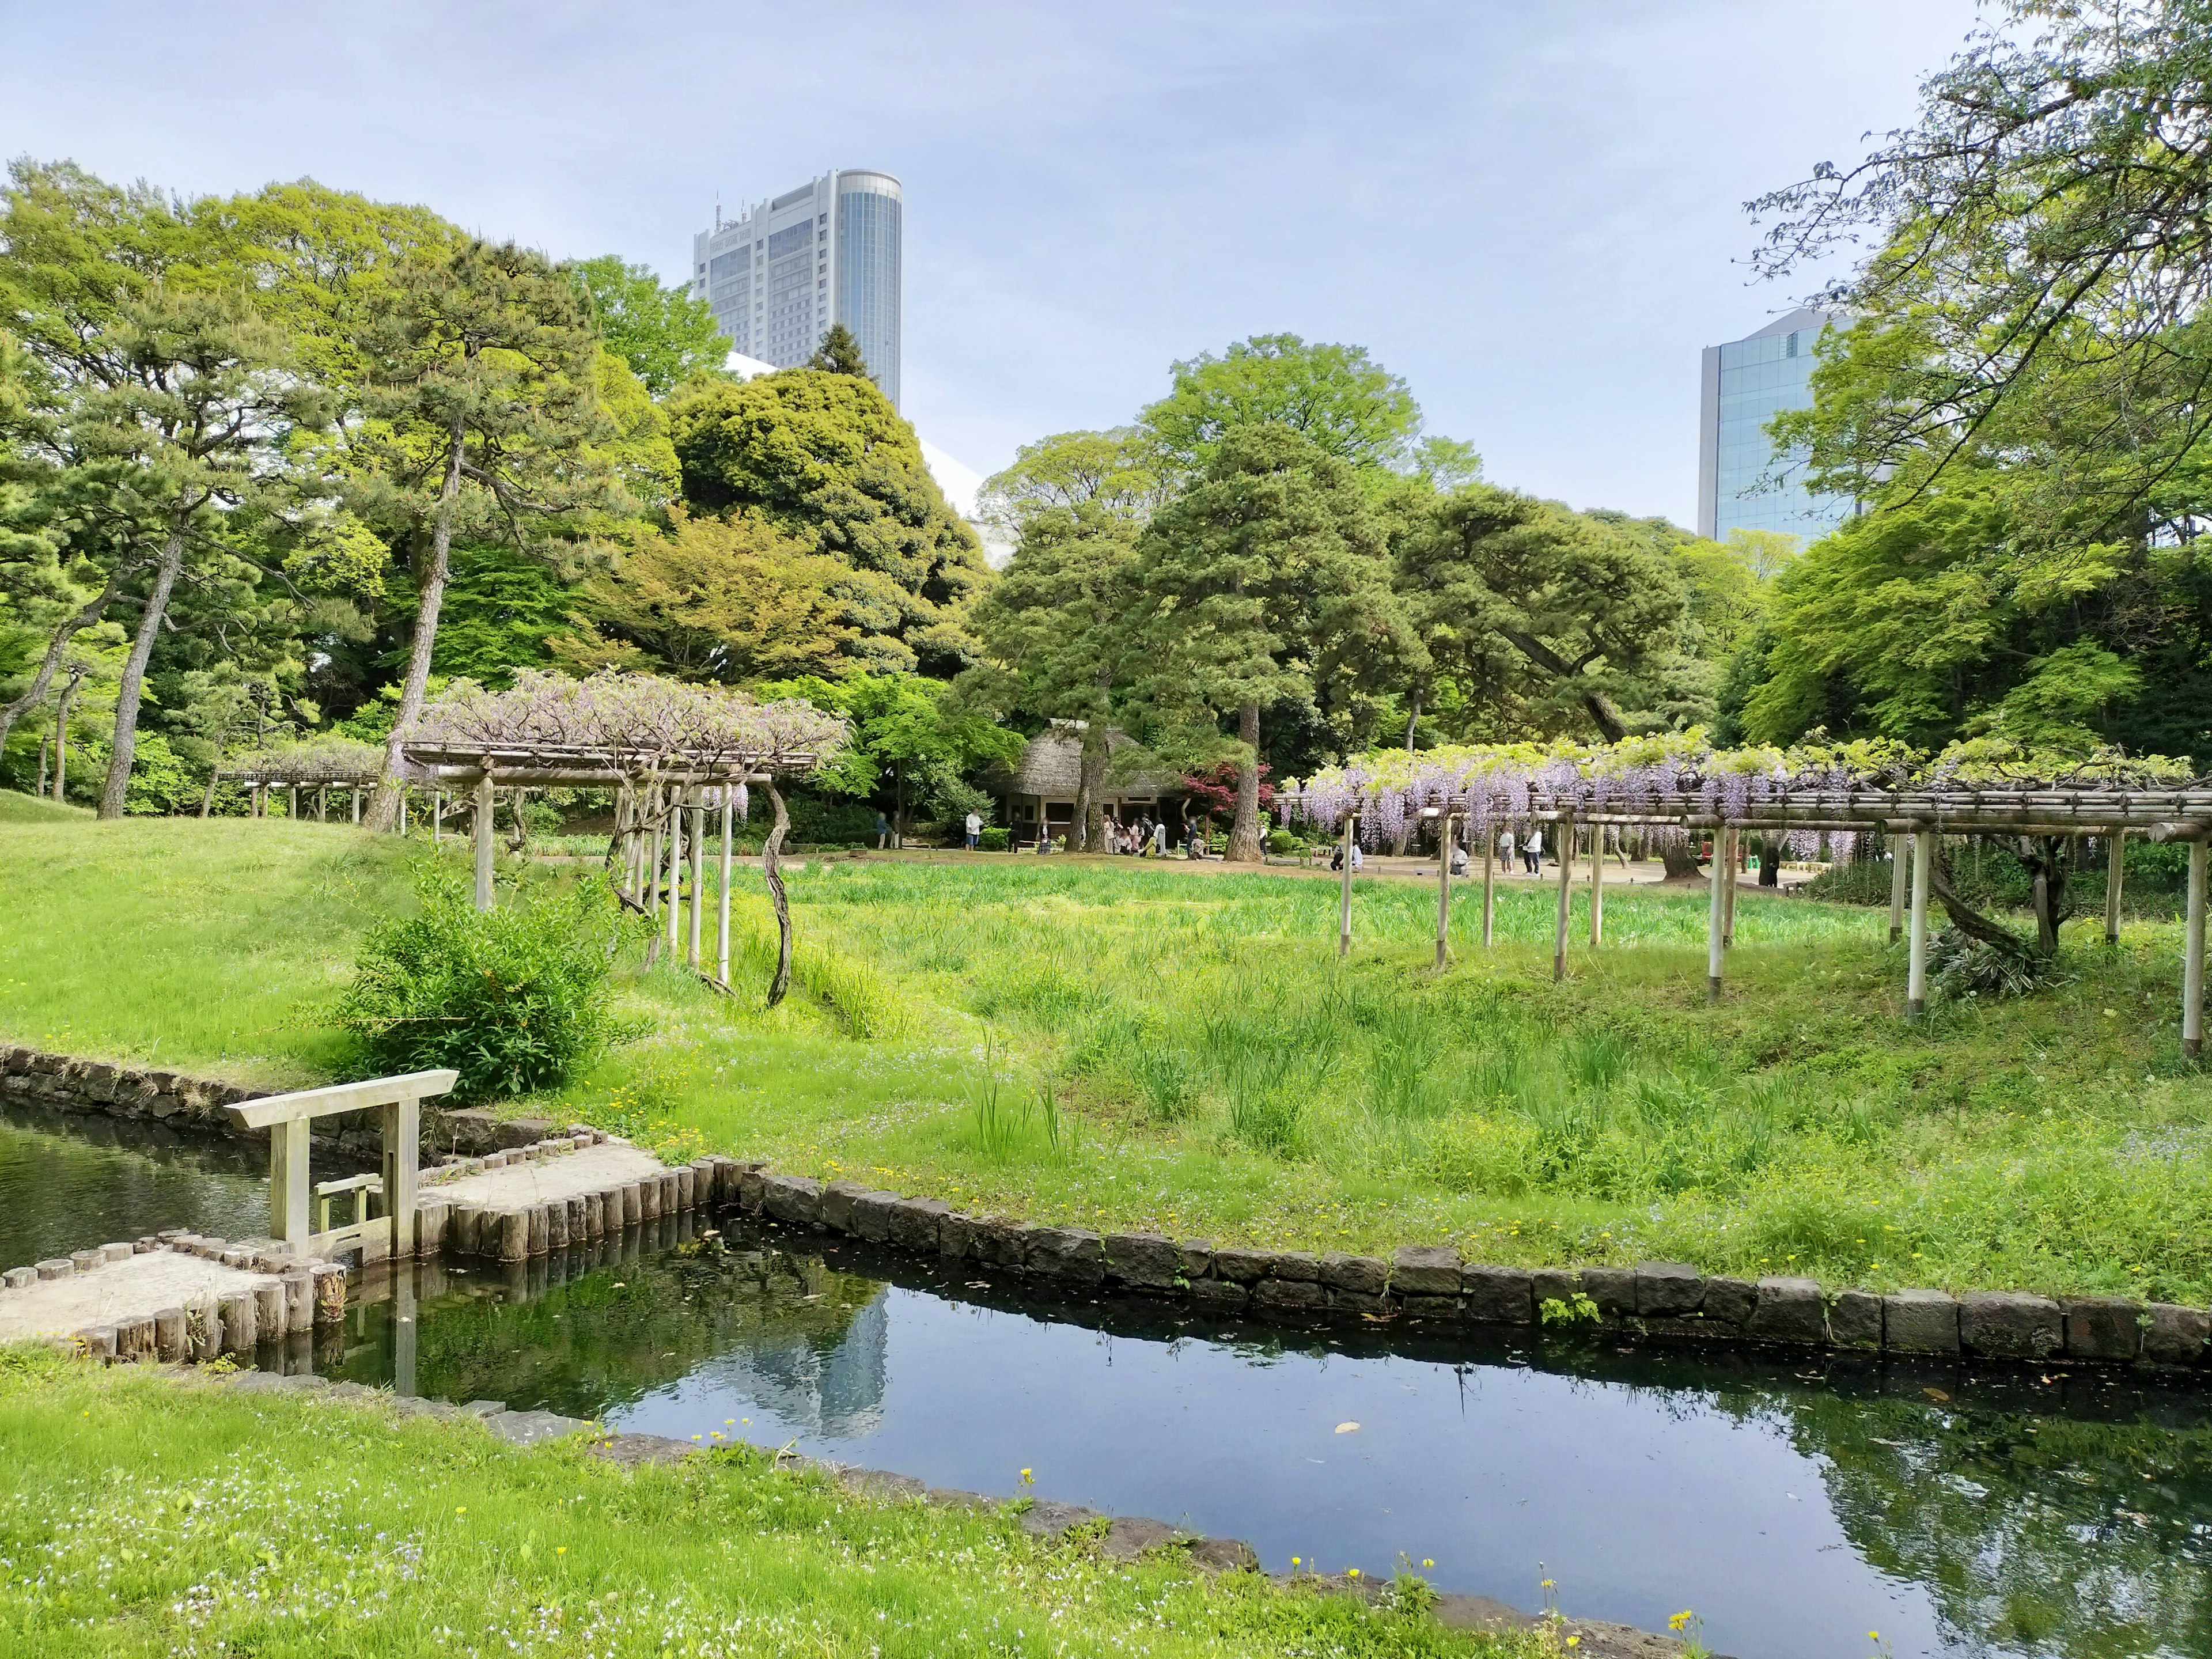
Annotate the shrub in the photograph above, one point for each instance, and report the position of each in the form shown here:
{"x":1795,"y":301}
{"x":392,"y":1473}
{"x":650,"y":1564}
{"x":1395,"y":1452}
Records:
{"x":1959,"y":966}
{"x":515,"y":998}
{"x":997,"y":840}
{"x":1282,"y":842}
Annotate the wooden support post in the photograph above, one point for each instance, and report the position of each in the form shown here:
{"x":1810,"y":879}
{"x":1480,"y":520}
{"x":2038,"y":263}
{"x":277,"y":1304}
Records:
{"x":1564,"y":832}
{"x":675,"y":872}
{"x":356,"y":803}
{"x":1443,"y":894}
{"x":2116,"y":861}
{"x":2192,"y":965}
{"x":1727,"y":907}
{"x":404,"y":793}
{"x":1896,"y":888}
{"x":697,"y":815}
{"x":402,"y":1149}
{"x":1713,"y":957}
{"x":292,"y":801}
{"x":1597,"y":885}
{"x":484,"y":834}
{"x":288,"y":1216}
{"x":1344,"y":893}
{"x":323,"y":803}
{"x":437,"y":816}
{"x":1489,"y":881}
{"x":652,"y":865}
{"x":1915,"y":973}
{"x":722,"y":925}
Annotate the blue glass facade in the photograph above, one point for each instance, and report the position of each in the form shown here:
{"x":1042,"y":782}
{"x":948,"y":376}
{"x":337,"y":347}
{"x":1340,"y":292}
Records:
{"x":1746,"y":383}
{"x":868,"y":247}
{"x":827,"y":253}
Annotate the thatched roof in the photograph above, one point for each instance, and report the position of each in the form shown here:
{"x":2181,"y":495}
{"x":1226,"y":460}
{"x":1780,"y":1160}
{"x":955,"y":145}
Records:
{"x":1052,"y":765}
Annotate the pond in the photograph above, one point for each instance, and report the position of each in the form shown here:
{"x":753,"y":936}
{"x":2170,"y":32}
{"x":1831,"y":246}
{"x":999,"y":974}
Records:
{"x":1795,"y":1506}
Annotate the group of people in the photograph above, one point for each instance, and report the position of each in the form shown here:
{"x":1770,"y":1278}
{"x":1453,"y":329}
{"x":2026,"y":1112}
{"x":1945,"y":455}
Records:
{"x":1530,"y":848}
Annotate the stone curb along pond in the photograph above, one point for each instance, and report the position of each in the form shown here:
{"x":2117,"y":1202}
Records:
{"x":1424,"y":1284}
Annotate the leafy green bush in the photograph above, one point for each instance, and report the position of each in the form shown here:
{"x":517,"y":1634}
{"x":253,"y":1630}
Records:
{"x":515,"y":998}
{"x":997,"y":840}
{"x":1959,"y":966}
{"x":1283,"y":843}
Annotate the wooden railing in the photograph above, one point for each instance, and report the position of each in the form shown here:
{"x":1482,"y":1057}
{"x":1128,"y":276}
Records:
{"x":399,"y":1100}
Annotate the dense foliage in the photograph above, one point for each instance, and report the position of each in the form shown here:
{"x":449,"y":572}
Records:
{"x":516,"y":998}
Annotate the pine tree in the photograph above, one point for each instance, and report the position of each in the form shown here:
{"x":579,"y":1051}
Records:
{"x":839,"y":353}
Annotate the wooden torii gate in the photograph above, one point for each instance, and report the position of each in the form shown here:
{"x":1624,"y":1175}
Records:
{"x":399,"y":1101}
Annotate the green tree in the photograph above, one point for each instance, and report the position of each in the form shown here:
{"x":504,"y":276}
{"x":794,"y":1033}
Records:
{"x":177,"y":403}
{"x":664,"y":334}
{"x":1527,"y":604}
{"x":1265,"y":579}
{"x":825,"y":459}
{"x":914,"y":729}
{"x":733,"y":600}
{"x":1334,"y":396}
{"x":1117,"y":473}
{"x":1054,"y":630}
{"x":482,"y":384}
{"x":838,"y":354}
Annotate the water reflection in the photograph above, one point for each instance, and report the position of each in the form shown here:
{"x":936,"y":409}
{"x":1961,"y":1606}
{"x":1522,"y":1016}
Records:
{"x":67,"y":1183}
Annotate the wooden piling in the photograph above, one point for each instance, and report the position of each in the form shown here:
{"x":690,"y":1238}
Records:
{"x":1915,"y":973}
{"x":1344,"y":893}
{"x":2192,"y":965}
{"x":2116,"y":857}
{"x":1713,"y":957}
{"x":330,"y":1293}
{"x":1896,"y":888}
{"x":1735,"y":839}
{"x":1443,"y":894}
{"x":1564,"y":851}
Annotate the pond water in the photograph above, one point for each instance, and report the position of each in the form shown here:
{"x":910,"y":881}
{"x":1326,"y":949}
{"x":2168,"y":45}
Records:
{"x":1795,"y":1506}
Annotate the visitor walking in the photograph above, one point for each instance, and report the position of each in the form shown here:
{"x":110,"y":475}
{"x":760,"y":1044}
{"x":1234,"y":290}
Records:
{"x":1506,"y":849}
{"x":883,"y":832}
{"x":1532,"y":852}
{"x":974,"y":831}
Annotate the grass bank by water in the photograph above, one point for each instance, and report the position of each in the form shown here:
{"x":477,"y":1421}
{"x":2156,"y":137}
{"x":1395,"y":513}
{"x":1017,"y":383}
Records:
{"x":1149,"y":1046}
{"x":143,"y":1515}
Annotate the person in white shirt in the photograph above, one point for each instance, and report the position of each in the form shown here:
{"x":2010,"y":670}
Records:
{"x":1531,"y":852}
{"x":974,"y":831}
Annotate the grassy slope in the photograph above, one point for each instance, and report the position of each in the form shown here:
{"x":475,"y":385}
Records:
{"x":1216,"y":1073}
{"x":143,"y":1515}
{"x":17,"y":807}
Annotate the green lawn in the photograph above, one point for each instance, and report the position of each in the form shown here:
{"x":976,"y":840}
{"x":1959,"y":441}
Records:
{"x":145,"y":1516}
{"x":1136,"y":1046}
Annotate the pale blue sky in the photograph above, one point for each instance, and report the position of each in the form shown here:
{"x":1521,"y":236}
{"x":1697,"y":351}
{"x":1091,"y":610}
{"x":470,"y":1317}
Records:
{"x":1532,"y":211}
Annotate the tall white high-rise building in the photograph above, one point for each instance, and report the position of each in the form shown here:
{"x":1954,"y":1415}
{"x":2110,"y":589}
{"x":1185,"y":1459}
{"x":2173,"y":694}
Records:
{"x":826,"y":252}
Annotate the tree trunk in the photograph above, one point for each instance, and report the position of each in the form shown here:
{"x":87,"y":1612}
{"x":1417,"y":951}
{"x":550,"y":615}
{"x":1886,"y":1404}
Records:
{"x":132,"y":687}
{"x":1681,"y":858}
{"x":898,"y":803}
{"x":1964,"y":917}
{"x":1244,"y":834}
{"x":1605,"y":717}
{"x":1413,"y":721}
{"x":61,"y":736}
{"x":88,"y":613}
{"x":384,"y":801}
{"x":769,"y":851}
{"x":1089,"y":829}
{"x":1770,"y":861}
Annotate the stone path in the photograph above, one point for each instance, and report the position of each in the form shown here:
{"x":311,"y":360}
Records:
{"x":520,"y":1185}
{"x":139,"y":1284}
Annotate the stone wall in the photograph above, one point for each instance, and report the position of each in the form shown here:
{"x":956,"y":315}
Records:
{"x":194,"y":1106}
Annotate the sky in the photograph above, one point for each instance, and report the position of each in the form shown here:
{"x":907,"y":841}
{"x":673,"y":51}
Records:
{"x":1532,"y":212}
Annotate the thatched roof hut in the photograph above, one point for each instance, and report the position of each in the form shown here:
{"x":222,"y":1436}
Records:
{"x":1039,"y":789}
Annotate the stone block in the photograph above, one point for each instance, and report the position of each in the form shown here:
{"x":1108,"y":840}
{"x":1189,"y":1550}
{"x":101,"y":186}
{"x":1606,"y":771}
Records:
{"x":1431,"y":1309}
{"x":1144,"y":1261}
{"x":956,"y":1235}
{"x":1246,"y":1267}
{"x":1614,"y":1290}
{"x":1559,"y":1285}
{"x":2010,"y":1325}
{"x":1497,"y":1295}
{"x":1367,"y":1275}
{"x":2175,"y":1335}
{"x":2106,"y":1327}
{"x":1920,"y":1322}
{"x":752,"y":1187}
{"x":1425,"y":1270}
{"x":871,"y":1216}
{"x":1001,"y":1244}
{"x":1729,"y":1302}
{"x":1363,"y":1305}
{"x":1218,"y":1296}
{"x":837,"y":1200}
{"x":1288,"y":1295}
{"x":1668,"y":1289}
{"x":1295,"y":1264}
{"x":1855,"y":1320}
{"x":1788,"y":1310}
{"x":1069,"y":1253}
{"x":915,"y":1221}
{"x":1195,"y":1256}
{"x":795,"y":1200}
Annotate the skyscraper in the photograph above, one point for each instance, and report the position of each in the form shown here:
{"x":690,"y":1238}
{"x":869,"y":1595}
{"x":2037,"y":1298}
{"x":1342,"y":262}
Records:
{"x":1743,"y":385}
{"x":826,"y":252}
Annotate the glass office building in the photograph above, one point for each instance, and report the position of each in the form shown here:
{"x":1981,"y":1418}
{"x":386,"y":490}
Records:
{"x":829,"y":251}
{"x":1743,"y":385}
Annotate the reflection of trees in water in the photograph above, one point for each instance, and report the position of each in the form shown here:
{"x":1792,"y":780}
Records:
{"x":625,"y":1327}
{"x":2031,"y":1534}
{"x":67,"y":1183}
